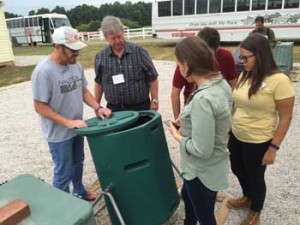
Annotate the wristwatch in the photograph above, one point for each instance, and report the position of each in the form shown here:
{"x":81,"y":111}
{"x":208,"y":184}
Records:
{"x":154,"y":100}
{"x":274,"y":146}
{"x":97,"y":108}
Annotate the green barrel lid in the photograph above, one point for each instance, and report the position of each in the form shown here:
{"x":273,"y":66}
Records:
{"x":117,"y":120}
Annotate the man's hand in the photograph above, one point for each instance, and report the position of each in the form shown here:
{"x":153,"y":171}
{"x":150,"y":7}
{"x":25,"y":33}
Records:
{"x":76,"y":124}
{"x":104,"y":112}
{"x":154,"y":105}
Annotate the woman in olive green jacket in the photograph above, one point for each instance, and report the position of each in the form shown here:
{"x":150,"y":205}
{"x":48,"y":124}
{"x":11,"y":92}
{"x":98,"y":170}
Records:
{"x":205,"y":122}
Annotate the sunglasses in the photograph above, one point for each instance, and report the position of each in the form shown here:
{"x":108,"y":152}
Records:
{"x":245,"y":58}
{"x":73,"y":51}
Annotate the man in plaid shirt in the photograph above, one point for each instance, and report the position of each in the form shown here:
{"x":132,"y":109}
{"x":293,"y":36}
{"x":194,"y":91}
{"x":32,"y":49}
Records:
{"x":124,"y":72}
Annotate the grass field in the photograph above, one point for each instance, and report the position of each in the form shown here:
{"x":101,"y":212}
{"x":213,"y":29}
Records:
{"x":158,"y":50}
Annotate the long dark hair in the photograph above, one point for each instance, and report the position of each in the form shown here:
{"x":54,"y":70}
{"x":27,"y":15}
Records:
{"x":264,"y":66}
{"x":198,"y":56}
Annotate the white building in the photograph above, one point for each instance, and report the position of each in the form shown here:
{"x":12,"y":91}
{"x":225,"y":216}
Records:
{"x":6,"y":53}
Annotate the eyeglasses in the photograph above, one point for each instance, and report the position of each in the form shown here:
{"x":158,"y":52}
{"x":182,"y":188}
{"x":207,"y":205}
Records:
{"x":245,"y":58}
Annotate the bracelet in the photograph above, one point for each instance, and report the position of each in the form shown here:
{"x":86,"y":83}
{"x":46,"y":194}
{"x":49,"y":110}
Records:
{"x":97,"y":109}
{"x":274,"y":146}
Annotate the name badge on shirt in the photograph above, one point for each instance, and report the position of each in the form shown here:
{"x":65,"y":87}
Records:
{"x":263,"y":84}
{"x":118,"y":79}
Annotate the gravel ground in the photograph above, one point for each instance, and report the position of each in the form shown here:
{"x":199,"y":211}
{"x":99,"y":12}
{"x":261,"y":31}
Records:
{"x":23,"y":150}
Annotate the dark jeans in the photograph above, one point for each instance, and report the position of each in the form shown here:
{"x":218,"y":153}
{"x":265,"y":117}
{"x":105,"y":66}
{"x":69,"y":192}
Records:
{"x":246,"y":164}
{"x":145,"y":105}
{"x":199,"y":203}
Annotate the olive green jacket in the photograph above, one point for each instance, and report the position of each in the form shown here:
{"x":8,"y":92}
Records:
{"x":268,"y":32}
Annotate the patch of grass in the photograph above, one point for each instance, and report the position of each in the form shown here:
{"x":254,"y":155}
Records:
{"x":157,"y":51}
{"x":42,"y":50}
{"x":14,"y":74}
{"x":296,"y":53}
{"x":157,"y":48}
{"x":87,"y":55}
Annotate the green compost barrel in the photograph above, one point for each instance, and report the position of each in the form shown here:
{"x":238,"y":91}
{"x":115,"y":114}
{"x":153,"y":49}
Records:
{"x":283,"y":55}
{"x":132,"y":161}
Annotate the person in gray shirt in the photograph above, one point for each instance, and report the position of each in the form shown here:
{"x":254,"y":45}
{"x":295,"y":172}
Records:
{"x":59,"y":89}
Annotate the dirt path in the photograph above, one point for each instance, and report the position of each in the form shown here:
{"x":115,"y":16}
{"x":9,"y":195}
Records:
{"x":23,"y":150}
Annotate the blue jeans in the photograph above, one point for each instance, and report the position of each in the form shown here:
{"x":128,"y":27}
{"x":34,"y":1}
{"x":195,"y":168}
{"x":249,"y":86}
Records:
{"x":68,"y":159}
{"x":199,"y":203}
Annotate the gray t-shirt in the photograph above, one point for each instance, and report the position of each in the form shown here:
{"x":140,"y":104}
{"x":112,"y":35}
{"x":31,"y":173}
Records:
{"x":61,"y":87}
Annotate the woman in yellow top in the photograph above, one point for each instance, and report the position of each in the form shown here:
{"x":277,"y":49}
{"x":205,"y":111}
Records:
{"x":263,"y":100}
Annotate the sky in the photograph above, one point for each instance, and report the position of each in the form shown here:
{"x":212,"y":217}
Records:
{"x":22,"y":7}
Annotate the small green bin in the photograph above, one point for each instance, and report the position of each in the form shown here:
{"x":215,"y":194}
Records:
{"x":132,"y":161}
{"x":48,"y":205}
{"x":283,"y":55}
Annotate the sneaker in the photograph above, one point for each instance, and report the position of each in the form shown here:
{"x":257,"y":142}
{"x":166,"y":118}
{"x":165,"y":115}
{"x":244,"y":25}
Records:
{"x":239,"y":203}
{"x":90,"y":196}
{"x":253,"y":218}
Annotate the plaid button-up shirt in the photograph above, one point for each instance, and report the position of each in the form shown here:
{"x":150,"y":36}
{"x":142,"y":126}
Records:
{"x":137,"y":69}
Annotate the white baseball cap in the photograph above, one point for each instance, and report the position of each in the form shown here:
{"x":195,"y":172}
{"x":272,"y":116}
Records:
{"x":69,"y":37}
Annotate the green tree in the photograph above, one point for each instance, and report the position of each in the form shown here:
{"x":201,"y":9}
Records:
{"x":94,"y":25}
{"x":31,"y":13}
{"x":82,"y":14}
{"x":142,"y":13}
{"x":133,"y":15}
{"x":105,"y":10}
{"x":59,"y":10}
{"x":82,"y":27}
{"x":10,"y":15}
{"x":131,"y":24}
{"x":117,"y":9}
{"x":42,"y":11}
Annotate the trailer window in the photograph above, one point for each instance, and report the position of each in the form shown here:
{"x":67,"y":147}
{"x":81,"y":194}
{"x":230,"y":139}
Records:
{"x":164,"y":9}
{"x":189,"y":7}
{"x":177,"y":7}
{"x":58,"y":22}
{"x":258,"y":5}
{"x":228,"y":5}
{"x":243,"y":5}
{"x":201,"y":7}
{"x":274,"y":4}
{"x":9,"y":24}
{"x":291,"y":4}
{"x":214,"y":6}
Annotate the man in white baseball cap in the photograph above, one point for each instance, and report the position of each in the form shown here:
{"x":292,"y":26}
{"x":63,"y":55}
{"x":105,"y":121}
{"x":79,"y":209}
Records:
{"x":68,"y":37}
{"x":59,"y":89}
{"x":67,"y":45}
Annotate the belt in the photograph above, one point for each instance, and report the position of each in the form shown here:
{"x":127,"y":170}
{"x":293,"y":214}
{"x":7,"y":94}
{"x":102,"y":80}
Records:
{"x":123,"y":105}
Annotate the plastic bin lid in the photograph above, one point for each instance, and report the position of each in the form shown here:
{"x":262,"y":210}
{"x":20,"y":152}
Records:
{"x":118,"y":120}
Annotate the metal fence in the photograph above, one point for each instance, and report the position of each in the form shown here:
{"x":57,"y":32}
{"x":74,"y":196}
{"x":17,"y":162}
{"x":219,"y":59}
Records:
{"x":129,"y":34}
